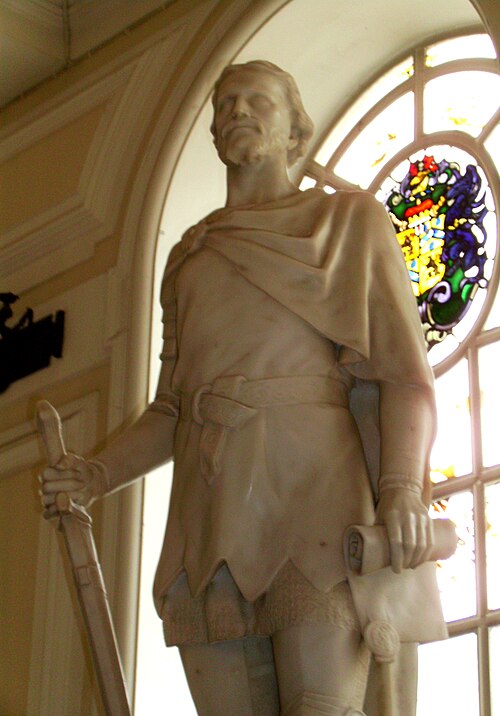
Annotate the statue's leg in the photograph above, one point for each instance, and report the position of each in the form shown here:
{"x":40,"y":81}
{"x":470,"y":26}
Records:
{"x":321,"y":669}
{"x":232,"y":677}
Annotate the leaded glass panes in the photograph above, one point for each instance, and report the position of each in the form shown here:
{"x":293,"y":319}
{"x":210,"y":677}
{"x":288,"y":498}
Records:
{"x":384,"y":136}
{"x":463,"y":101}
{"x":489,"y":363}
{"x":439,"y":203}
{"x":448,"y":677}
{"x":493,"y":545}
{"x":456,"y":575}
{"x":494,"y":635}
{"x":391,"y":79}
{"x":452,"y":451}
{"x":459,"y":48}
{"x":492,"y":144}
{"x":493,"y":319}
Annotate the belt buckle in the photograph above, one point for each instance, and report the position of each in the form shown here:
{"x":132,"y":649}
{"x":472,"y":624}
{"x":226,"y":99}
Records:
{"x":195,"y":405}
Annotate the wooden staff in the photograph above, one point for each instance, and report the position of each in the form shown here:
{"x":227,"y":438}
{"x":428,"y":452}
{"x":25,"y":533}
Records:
{"x":76,"y":527}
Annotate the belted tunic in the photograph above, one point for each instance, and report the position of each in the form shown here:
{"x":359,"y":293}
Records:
{"x":272,"y":314}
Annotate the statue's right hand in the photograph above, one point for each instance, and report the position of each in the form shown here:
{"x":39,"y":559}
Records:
{"x":81,"y":479}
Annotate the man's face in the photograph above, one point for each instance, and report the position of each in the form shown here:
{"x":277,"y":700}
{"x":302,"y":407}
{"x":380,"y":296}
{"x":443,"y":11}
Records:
{"x":252,"y":118}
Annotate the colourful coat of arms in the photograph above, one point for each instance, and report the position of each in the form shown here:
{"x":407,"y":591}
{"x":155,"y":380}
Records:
{"x":438,"y":215}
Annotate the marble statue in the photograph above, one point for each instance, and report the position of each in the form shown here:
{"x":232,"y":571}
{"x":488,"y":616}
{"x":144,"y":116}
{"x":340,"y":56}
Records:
{"x":294,"y":377}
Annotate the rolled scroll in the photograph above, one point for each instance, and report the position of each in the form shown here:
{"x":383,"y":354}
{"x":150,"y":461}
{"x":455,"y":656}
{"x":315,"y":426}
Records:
{"x":366,"y":549}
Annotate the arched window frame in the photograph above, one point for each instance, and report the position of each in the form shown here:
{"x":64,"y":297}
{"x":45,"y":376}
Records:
{"x":323,"y":176}
{"x":481,"y":477}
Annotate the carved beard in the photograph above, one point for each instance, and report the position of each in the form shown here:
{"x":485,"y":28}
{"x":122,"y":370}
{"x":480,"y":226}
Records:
{"x":251,"y":148}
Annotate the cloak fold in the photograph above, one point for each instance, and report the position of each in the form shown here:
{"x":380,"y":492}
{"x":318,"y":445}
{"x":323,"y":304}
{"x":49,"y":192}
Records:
{"x":334,"y":261}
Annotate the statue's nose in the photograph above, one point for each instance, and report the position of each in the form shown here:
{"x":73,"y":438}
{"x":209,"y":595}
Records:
{"x":240,"y":108}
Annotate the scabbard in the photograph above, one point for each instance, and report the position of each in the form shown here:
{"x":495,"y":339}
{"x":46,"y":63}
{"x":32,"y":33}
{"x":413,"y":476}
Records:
{"x":76,"y":527}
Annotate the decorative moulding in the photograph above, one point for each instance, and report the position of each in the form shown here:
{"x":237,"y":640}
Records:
{"x":117,"y":140}
{"x":101,"y":73}
{"x":66,"y":234}
{"x":67,"y":241}
{"x":53,"y":115}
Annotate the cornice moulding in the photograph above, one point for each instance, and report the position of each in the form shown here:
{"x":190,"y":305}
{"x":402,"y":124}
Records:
{"x":118,"y":139}
{"x":66,"y":241}
{"x":64,"y":235}
{"x":60,"y":112}
{"x":101,"y":61}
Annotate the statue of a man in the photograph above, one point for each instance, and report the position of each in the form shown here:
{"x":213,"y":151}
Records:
{"x":278,"y":308}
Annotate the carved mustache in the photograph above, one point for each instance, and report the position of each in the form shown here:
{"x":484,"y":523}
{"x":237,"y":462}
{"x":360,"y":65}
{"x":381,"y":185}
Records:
{"x":240,"y":123}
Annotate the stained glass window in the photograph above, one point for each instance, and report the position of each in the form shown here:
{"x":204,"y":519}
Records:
{"x":429,"y":149}
{"x":439,"y":211}
{"x":437,"y":193}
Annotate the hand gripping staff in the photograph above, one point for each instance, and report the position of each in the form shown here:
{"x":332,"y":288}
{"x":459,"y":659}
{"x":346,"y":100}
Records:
{"x":76,"y":526}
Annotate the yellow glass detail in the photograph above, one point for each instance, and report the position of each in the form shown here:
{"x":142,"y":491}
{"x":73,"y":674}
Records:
{"x":422,"y":246}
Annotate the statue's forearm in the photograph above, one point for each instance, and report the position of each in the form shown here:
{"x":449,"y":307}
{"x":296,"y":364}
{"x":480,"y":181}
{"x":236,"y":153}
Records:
{"x":145,"y":445}
{"x":407,"y":425}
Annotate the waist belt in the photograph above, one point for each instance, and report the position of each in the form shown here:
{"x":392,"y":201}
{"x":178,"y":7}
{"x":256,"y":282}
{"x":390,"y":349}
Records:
{"x":231,"y":401}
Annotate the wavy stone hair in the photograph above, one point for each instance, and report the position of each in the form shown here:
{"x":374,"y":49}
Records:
{"x":302,"y":125}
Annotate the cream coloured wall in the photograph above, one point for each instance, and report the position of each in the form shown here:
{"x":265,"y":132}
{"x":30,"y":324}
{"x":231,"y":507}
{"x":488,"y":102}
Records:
{"x":85,"y":164}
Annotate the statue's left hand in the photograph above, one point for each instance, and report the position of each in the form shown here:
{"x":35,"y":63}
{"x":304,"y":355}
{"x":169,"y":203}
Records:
{"x":409,"y":527}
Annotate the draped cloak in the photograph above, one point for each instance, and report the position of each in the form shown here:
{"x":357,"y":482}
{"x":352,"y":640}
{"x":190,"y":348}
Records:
{"x":334,"y":262}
